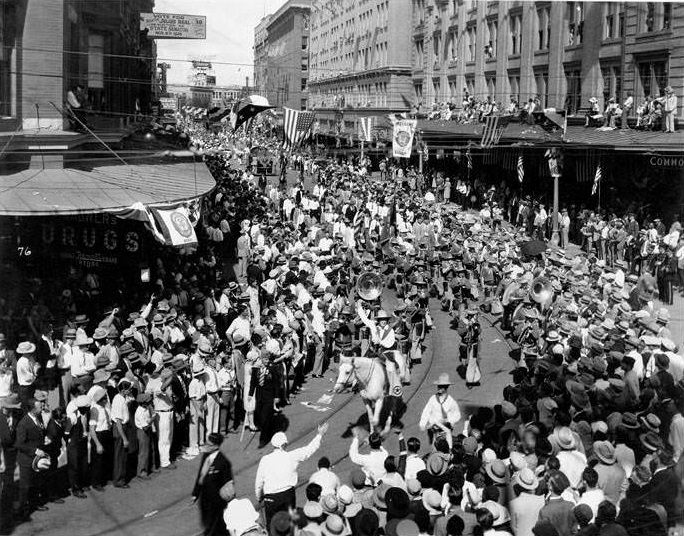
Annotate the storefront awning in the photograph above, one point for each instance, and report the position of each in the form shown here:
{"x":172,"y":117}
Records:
{"x":626,"y":139}
{"x":49,"y":192}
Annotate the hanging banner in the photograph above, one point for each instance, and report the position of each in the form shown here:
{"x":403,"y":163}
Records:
{"x":173,"y":26}
{"x":175,"y":226}
{"x":365,"y":127}
{"x":402,"y":139}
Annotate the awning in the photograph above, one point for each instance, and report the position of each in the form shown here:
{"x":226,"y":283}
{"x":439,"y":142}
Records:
{"x":626,"y":139}
{"x":49,"y":192}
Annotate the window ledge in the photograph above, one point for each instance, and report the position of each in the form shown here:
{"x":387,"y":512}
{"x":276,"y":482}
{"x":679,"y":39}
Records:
{"x":541,"y":52}
{"x":645,"y":36}
{"x":573,"y":47}
{"x":514,"y":56}
{"x":490,"y":60}
{"x":612,"y":41}
{"x":470,"y":64}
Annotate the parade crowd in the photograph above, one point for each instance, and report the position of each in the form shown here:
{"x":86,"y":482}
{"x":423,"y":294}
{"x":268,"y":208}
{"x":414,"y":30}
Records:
{"x":586,"y":440}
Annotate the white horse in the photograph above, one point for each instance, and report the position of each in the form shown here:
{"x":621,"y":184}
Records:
{"x":372,"y":375}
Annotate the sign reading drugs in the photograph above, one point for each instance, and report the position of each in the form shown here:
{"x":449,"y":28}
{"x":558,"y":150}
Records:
{"x":402,"y":139}
{"x":173,"y":26}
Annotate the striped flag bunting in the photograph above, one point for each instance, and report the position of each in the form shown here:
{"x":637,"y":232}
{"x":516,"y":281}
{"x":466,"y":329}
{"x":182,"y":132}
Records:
{"x":597,"y":179}
{"x":521,"y":169}
{"x":296,"y":126}
{"x":365,"y":127}
{"x":585,"y":166}
{"x":490,"y":157}
{"x":493,"y":129}
{"x":509,"y":160}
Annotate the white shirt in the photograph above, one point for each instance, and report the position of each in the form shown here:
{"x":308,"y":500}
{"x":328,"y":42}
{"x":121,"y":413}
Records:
{"x":120,"y":409}
{"x":414,"y":464}
{"x":161,"y":400}
{"x":373,"y":463}
{"x":100,"y":418}
{"x":435,"y":412}
{"x":572,"y":463}
{"x":328,"y":481}
{"x":592,"y":498}
{"x":26,"y":371}
{"x":240,"y":325}
{"x":277,"y":471}
{"x":143,"y":417}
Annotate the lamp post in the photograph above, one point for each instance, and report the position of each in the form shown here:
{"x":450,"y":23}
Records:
{"x":555,"y":165}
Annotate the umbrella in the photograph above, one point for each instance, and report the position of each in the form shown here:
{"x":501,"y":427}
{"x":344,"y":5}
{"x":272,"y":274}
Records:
{"x":532,"y":248}
{"x":247,"y":108}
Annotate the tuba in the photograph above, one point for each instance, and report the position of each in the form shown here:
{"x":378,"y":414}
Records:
{"x":541,"y":291}
{"x":369,"y":286}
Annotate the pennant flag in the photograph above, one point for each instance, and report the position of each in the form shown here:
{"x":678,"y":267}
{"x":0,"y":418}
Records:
{"x":247,"y":108}
{"x":597,"y":179}
{"x":296,"y":125}
{"x":365,"y":126}
{"x":402,"y":138}
{"x":493,"y":129}
{"x":521,"y":169}
{"x":175,"y":226}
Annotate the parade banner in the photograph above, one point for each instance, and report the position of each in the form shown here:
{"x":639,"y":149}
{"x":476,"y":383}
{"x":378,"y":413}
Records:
{"x":402,"y":138}
{"x":173,"y":26}
{"x":175,"y":226}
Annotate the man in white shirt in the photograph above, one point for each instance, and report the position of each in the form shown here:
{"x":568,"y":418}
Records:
{"x":441,"y":411}
{"x":592,"y":496}
{"x":27,"y":370}
{"x":120,"y":417}
{"x":373,"y":463}
{"x":325,"y":478}
{"x":159,"y":386}
{"x":572,"y":461}
{"x":277,"y":477}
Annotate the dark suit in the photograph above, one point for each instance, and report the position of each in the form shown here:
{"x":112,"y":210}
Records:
{"x":661,"y":491}
{"x":8,"y":436}
{"x":211,"y":504}
{"x":30,"y":436}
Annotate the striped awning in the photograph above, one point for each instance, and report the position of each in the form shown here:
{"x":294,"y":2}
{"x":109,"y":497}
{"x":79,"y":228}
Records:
{"x":67,"y":191}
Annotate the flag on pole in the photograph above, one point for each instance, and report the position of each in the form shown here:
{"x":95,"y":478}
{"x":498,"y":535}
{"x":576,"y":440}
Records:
{"x":296,"y":125}
{"x":469,"y":158}
{"x":493,"y":129}
{"x":597,"y":179}
{"x":521,"y":169}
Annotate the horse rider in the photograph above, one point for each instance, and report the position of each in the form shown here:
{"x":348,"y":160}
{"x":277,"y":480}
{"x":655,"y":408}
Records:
{"x":383,"y":337}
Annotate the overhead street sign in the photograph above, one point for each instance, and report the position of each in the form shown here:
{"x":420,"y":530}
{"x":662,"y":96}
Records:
{"x":173,"y":26}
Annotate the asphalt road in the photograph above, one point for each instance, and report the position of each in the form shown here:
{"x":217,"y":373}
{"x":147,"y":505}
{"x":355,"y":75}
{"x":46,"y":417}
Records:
{"x":162,"y":506}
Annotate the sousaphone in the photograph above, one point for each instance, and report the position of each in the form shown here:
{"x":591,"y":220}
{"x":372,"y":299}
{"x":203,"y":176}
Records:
{"x":369,"y":286}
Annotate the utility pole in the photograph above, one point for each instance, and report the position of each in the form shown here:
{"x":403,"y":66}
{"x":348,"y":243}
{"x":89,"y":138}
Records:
{"x":420,"y":152}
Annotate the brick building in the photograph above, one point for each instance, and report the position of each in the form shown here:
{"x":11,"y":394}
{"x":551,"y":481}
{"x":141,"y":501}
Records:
{"x":260,"y":54}
{"x":281,"y":62}
{"x":49,"y":46}
{"x":562,"y":52}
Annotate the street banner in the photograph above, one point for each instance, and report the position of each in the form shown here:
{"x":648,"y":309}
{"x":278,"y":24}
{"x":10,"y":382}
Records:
{"x":173,"y":26}
{"x":175,"y":226}
{"x":402,"y":138}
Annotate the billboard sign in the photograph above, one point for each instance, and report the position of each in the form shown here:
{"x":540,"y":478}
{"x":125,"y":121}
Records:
{"x":169,"y":103}
{"x":173,"y":26}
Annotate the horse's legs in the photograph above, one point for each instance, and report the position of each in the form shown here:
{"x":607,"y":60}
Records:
{"x":376,"y":411}
{"x":369,"y":411}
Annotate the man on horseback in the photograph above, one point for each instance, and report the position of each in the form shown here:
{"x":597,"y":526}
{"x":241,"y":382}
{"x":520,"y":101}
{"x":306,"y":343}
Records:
{"x":385,"y":347}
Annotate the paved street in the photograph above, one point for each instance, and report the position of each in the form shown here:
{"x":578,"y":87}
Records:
{"x":163,"y":507}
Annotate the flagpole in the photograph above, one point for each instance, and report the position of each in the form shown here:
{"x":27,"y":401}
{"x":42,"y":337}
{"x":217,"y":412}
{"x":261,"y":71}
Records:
{"x":599,"y":195}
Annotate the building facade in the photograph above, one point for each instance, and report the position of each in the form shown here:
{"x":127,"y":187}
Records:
{"x":50,"y":46}
{"x":284,"y":66}
{"x":260,"y":54}
{"x":562,"y":52}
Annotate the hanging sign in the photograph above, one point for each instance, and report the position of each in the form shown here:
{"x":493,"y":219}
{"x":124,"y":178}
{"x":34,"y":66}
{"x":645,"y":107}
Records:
{"x":402,"y":138}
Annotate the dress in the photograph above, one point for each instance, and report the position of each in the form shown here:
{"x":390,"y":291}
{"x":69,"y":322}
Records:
{"x":253,"y":359}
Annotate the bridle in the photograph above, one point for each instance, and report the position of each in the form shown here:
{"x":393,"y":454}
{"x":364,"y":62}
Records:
{"x":370,"y":372}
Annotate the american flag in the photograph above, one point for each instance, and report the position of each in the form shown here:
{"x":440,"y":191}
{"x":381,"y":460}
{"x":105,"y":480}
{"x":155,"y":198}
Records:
{"x":493,"y":128}
{"x":521,"y":169}
{"x":296,"y":125}
{"x":597,"y":179}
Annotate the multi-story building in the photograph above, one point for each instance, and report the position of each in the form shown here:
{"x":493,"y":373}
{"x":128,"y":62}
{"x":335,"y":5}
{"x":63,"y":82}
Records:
{"x":285,"y":65}
{"x":562,"y":52}
{"x":261,"y":54}
{"x":50,"y":46}
{"x":360,"y":59}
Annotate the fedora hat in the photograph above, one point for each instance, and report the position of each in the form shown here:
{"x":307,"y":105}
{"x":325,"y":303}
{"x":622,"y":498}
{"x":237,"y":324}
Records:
{"x":526,"y":479}
{"x":443,"y":379}
{"x":432,"y":500}
{"x":566,"y":439}
{"x":26,"y":348}
{"x":629,"y":421}
{"x":650,"y":422}
{"x":497,"y":471}
{"x":81,"y":319}
{"x":334,"y":526}
{"x":382,"y":315}
{"x":437,"y":464}
{"x":101,"y":375}
{"x":379,"y":496}
{"x":100,"y":333}
{"x":604,"y":451}
{"x":651,"y":441}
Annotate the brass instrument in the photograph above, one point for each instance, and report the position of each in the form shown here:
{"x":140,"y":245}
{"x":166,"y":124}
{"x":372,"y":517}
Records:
{"x":369,"y":286}
{"x":541,"y":291}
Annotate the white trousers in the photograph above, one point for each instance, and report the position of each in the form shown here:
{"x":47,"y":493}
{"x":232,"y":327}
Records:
{"x":212,"y":415}
{"x":165,"y":433}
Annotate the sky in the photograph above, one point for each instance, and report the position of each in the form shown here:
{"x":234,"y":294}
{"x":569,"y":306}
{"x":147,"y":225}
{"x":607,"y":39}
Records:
{"x":230,"y":36}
